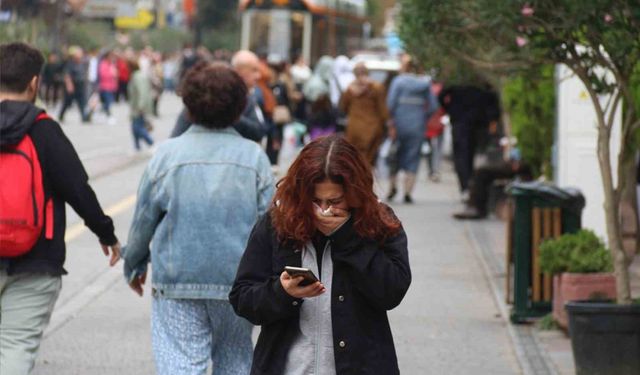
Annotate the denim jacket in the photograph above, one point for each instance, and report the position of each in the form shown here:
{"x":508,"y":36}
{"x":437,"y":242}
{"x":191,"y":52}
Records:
{"x":198,"y":199}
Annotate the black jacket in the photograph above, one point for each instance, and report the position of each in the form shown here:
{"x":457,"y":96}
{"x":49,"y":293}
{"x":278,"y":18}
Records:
{"x":368,"y":280}
{"x":470,"y":105}
{"x":65,"y":180}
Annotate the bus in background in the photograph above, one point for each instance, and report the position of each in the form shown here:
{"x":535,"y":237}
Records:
{"x":310,"y":28}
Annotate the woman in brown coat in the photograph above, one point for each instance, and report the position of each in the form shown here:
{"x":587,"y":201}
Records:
{"x":366,"y":109}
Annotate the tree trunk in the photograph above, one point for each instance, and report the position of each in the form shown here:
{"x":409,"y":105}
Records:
{"x":612,"y":218}
{"x":629,"y":206}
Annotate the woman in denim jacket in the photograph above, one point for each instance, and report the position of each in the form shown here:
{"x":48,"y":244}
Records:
{"x":197,"y":202}
{"x":327,"y":219}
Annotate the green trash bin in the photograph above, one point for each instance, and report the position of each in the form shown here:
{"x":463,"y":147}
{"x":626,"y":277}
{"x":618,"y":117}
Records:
{"x":542,"y":211}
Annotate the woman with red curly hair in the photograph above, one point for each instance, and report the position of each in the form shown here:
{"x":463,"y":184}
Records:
{"x":326,"y":218}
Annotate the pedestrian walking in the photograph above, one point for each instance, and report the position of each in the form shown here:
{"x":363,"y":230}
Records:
{"x":75,"y":82}
{"x":321,"y":115}
{"x":32,"y":255}
{"x":283,"y":90}
{"x":140,"y":105}
{"x":197,"y":202}
{"x":169,"y":72}
{"x":108,"y":83}
{"x":434,"y":139}
{"x":124,"y":76}
{"x":300,"y":73}
{"x":364,"y":104}
{"x":342,"y":76}
{"x":322,"y":118}
{"x":410,"y":104}
{"x":474,"y":112}
{"x":93,"y":63}
{"x":52,"y":79}
{"x":325,"y":218}
{"x":434,"y":136}
{"x":156,"y":75}
{"x":188,"y":59}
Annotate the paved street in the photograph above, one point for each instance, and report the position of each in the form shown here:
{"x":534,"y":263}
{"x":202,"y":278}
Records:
{"x":449,"y":322}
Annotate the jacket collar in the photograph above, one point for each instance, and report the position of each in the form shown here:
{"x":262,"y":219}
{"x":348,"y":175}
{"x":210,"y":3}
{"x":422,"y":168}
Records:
{"x":195,"y":128}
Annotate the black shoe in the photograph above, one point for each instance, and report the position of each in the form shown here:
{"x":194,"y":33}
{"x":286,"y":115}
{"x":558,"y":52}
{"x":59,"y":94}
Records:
{"x":392,"y":194}
{"x":408,"y":199}
{"x":470,"y":213}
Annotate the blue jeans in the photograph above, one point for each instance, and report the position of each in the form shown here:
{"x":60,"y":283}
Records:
{"x":107,"y":98}
{"x":187,"y":333}
{"x":435,"y":156}
{"x":140,"y":132}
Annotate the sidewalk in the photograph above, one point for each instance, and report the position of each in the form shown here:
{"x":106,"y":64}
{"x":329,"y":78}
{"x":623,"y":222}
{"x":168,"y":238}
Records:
{"x":449,"y":322}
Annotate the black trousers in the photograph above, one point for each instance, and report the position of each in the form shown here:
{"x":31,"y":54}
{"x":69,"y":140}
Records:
{"x":464,"y":149}
{"x":123,"y":91}
{"x":80,"y":98}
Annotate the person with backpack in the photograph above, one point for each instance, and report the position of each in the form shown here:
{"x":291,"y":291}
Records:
{"x":40,"y":172}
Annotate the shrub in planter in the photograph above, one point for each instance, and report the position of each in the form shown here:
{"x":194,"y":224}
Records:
{"x":581,"y":266}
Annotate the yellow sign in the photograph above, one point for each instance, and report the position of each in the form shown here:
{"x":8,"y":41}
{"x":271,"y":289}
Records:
{"x":142,"y":20}
{"x":584,"y":95}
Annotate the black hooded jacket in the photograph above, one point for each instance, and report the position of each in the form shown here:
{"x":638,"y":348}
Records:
{"x":65,"y":180}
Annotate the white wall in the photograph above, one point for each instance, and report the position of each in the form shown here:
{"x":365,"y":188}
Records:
{"x":575,"y":149}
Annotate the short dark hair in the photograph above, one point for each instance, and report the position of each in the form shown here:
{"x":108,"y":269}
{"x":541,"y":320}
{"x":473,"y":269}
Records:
{"x":19,"y":63}
{"x":214,"y":94}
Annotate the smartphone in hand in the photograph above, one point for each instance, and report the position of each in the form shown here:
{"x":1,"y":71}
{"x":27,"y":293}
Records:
{"x":307,"y":274}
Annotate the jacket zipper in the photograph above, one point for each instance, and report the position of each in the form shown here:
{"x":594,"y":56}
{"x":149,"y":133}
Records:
{"x":318,"y":308}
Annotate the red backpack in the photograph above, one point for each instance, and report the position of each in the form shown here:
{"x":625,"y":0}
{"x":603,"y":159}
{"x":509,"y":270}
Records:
{"x":23,"y":211}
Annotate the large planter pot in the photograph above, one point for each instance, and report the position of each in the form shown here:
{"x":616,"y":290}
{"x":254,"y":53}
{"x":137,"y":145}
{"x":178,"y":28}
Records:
{"x":605,"y":338}
{"x":579,"y":287}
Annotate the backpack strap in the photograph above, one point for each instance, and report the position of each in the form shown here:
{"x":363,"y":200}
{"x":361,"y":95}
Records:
{"x":48,"y":207}
{"x":42,"y":116}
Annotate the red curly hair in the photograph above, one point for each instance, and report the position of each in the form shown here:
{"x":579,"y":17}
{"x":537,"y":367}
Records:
{"x":330,"y":158}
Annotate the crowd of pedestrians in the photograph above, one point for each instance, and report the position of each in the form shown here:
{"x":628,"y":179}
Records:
{"x":95,"y":80}
{"x":217,"y":230}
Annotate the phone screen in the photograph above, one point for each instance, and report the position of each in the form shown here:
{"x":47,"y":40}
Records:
{"x":307,"y":274}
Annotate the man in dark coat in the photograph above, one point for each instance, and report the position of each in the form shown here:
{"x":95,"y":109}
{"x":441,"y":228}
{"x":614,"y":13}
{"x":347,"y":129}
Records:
{"x":473,"y":112}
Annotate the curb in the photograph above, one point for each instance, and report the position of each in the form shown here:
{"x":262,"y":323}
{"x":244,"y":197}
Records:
{"x":531,"y":356}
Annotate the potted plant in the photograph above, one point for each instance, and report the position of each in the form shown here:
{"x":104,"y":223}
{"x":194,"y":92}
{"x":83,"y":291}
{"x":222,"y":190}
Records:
{"x":582,"y":270}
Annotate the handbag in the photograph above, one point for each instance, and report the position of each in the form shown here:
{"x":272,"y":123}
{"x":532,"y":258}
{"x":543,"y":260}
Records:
{"x":281,"y":115}
{"x":148,"y":125}
{"x":389,"y":153}
{"x":434,"y":124}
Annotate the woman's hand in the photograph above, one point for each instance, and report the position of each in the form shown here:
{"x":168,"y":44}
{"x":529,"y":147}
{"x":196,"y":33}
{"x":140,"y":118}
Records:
{"x":137,"y":284}
{"x":328,"y":224}
{"x":292,"y":286}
